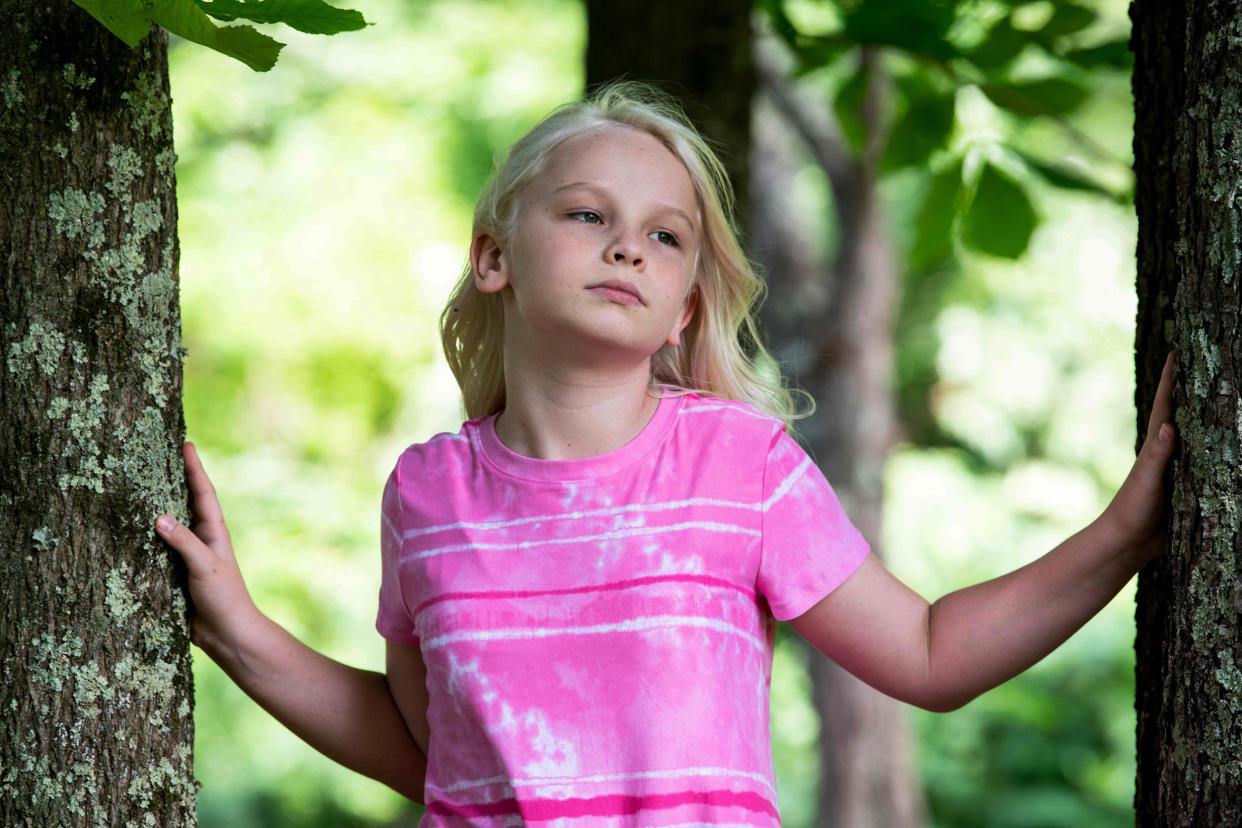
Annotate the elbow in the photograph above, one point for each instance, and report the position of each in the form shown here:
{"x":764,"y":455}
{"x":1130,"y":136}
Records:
{"x":943,"y":704}
{"x":943,"y":699}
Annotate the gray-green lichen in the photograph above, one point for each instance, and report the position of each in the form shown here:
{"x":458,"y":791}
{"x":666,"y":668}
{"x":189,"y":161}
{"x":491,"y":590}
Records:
{"x":50,"y":791}
{"x":43,"y":540}
{"x":166,"y":161}
{"x":121,"y":601}
{"x":43,"y":342}
{"x":86,"y":418}
{"x":74,"y":78}
{"x":124,"y":166}
{"x":163,"y":780}
{"x":60,"y":149}
{"x":89,"y":687}
{"x":12,"y":91}
{"x":148,"y":104}
{"x":53,"y":660}
{"x":74,"y":213}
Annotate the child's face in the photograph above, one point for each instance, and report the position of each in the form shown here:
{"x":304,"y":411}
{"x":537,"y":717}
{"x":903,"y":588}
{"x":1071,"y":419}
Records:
{"x":613,"y":207}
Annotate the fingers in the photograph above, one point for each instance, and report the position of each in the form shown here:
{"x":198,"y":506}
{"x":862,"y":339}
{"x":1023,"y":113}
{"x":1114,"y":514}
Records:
{"x":1162,"y":405}
{"x":196,"y":554}
{"x":202,"y":494}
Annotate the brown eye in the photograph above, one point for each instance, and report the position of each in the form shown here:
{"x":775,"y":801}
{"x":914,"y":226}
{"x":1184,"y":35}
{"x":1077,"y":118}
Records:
{"x":669,"y":239}
{"x":590,"y":213}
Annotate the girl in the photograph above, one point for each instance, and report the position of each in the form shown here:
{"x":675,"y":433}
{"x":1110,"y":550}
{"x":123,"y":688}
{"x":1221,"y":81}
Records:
{"x":580,"y":588}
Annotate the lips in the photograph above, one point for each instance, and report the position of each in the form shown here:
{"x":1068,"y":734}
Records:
{"x":618,"y":286}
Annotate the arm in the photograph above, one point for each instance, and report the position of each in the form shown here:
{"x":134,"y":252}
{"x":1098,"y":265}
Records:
{"x":355,"y":717}
{"x":941,"y":656}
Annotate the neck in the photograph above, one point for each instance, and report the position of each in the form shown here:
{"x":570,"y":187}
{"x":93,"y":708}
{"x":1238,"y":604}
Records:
{"x":558,"y":412}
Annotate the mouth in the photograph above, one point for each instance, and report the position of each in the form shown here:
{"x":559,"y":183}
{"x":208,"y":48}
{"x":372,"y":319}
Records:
{"x":618,"y":291}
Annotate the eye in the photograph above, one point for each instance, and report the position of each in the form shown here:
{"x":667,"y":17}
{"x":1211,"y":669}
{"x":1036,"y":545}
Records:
{"x":671,"y":239}
{"x":589,"y":213}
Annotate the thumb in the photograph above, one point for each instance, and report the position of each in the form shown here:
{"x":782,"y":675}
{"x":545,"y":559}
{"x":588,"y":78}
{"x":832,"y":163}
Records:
{"x":196,"y":554}
{"x":1158,"y":449}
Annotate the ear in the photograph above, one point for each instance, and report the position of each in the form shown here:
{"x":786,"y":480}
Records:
{"x":683,"y":318}
{"x":489,"y":263}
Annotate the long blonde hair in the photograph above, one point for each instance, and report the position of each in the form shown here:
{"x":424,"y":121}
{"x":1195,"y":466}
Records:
{"x":720,"y":354}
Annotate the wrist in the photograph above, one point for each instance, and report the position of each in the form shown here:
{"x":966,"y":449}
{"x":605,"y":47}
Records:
{"x":1119,"y":545}
{"x":235,"y":642}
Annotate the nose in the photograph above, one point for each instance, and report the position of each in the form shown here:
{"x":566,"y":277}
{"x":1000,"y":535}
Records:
{"x":625,"y":249}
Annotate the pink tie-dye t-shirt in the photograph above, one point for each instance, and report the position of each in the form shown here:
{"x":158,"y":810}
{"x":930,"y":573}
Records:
{"x":598,"y":633}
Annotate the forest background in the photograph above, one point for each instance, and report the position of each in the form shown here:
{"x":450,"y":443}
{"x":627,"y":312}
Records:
{"x":324,"y":214}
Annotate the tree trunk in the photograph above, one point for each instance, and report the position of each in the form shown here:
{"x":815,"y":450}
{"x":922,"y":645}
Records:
{"x":830,"y":324}
{"x":698,"y":51}
{"x":97,"y":688}
{"x":1187,"y":146}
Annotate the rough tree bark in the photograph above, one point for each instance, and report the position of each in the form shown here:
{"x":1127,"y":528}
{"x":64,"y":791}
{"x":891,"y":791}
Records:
{"x":1188,"y":167}
{"x":830,"y":325}
{"x":97,"y":691}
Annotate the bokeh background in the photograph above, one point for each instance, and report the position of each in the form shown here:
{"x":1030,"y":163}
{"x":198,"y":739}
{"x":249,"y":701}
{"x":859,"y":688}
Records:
{"x":324,"y":213}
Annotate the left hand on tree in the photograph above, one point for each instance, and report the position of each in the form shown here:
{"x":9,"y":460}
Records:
{"x":1137,"y":512}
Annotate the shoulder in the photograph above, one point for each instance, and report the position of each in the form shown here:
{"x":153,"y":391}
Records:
{"x":727,"y":431}
{"x":443,"y":452}
{"x":720,"y":416}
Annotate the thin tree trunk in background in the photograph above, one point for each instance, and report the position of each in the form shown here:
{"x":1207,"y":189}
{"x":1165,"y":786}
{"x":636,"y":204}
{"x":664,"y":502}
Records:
{"x":698,"y":51}
{"x":97,"y":690}
{"x":830,"y":325}
{"x":1188,"y":166}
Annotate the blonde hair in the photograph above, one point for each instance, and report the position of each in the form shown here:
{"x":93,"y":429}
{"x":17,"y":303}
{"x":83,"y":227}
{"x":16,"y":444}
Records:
{"x":720,"y":354}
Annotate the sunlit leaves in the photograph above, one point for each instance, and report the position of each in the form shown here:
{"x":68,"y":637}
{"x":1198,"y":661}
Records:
{"x":923,"y":126}
{"x":311,"y":16}
{"x":918,"y":26}
{"x":1000,"y":218}
{"x":933,"y":229}
{"x":130,"y":20}
{"x":1047,"y":96}
{"x":1069,"y":179}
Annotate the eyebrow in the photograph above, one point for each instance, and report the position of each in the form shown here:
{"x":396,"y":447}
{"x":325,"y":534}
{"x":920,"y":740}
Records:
{"x":604,"y":191}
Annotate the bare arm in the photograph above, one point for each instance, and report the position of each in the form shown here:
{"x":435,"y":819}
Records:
{"x":352,"y":716}
{"x":942,"y":655}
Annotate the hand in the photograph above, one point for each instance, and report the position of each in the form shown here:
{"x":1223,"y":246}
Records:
{"x":222,"y":604}
{"x":1137,"y":512}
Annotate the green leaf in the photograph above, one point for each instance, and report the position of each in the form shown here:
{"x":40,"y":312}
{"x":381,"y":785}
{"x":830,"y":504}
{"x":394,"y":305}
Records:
{"x":817,"y":52}
{"x":1069,"y":179}
{"x":1115,"y":54}
{"x":130,"y":20}
{"x":1002,"y":45}
{"x":1000,"y":218}
{"x":1067,"y":19}
{"x":918,"y":26}
{"x":933,"y":226}
{"x":310,"y":16}
{"x":924,"y":127}
{"x":1048,"y":96}
{"x":848,"y":106}
{"x":780,"y":21}
{"x":247,"y":44}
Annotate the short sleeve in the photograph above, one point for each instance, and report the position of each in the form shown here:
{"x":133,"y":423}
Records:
{"x":809,"y":547}
{"x":393,"y":620}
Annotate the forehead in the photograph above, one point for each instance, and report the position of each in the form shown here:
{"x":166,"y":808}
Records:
{"x":623,"y":159}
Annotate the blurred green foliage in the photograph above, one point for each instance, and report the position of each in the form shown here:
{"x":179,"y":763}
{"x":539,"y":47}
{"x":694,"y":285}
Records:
{"x":324,"y":214}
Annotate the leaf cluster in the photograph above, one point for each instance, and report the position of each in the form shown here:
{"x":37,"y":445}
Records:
{"x":131,"y":20}
{"x":949,"y":45}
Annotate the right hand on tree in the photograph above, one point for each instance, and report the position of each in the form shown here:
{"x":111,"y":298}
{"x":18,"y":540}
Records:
{"x":223,"y":608}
